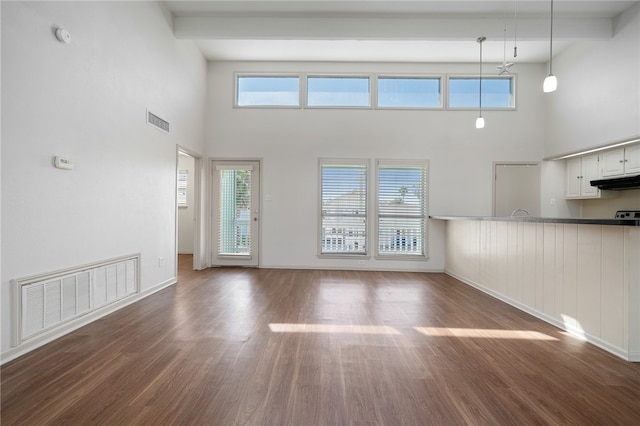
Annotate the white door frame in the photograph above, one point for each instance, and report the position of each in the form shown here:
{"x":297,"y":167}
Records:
{"x":198,"y":201}
{"x":256,"y":260}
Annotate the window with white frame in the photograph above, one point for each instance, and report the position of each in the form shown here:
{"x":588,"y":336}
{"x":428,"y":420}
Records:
{"x":497,"y":92}
{"x":277,"y":91}
{"x":401,"y":207}
{"x":338,"y":91}
{"x":343,"y":200}
{"x":409,"y":92}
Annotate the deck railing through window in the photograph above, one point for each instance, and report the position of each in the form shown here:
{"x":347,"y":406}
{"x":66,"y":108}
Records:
{"x":349,"y":240}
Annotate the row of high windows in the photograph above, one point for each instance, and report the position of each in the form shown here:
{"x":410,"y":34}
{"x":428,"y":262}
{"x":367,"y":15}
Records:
{"x":373,"y":91}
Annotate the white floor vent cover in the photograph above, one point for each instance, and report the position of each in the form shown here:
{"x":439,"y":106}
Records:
{"x":45,"y":302}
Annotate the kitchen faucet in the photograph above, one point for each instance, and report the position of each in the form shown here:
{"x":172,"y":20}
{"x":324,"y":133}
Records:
{"x":520,"y":210}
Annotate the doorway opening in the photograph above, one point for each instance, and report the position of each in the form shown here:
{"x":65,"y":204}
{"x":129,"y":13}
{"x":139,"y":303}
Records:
{"x":189,"y":209}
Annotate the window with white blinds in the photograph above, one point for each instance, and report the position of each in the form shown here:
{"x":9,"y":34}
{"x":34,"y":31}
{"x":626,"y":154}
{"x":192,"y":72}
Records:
{"x":343,"y":192}
{"x":401,"y":207}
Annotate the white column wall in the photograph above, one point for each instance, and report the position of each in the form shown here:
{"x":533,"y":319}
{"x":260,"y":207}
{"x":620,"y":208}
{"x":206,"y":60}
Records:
{"x":598,"y":96}
{"x":87,"y":101}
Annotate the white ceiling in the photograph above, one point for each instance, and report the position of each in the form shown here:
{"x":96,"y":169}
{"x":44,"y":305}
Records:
{"x":390,"y":31}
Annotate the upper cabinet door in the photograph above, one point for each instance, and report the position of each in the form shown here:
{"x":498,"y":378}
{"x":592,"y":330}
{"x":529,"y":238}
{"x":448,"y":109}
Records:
{"x":613,"y":162}
{"x":632,"y":159}
{"x":590,"y":171}
{"x":574,"y":174}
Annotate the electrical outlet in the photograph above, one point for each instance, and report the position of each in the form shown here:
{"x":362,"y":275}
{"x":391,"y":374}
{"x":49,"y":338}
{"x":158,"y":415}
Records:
{"x":552,"y":201}
{"x":360,"y":262}
{"x":160,"y":262}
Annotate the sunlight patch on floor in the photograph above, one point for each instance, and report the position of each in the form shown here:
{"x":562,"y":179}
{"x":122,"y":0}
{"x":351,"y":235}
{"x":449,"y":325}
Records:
{"x":483,"y":333}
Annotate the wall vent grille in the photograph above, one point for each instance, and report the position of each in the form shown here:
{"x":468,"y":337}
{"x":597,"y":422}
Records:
{"x":48,"y":301}
{"x":158,"y":122}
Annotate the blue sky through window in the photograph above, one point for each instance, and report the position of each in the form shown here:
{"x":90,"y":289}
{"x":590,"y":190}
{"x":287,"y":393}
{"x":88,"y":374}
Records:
{"x":409,"y":92}
{"x":338,"y":91}
{"x":496,"y":92}
{"x":268,"y":91}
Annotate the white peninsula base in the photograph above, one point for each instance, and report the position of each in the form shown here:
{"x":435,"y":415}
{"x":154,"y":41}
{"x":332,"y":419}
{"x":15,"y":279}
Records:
{"x":584,"y":278}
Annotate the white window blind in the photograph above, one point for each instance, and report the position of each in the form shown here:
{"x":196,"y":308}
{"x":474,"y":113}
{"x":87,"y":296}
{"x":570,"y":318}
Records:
{"x":401,"y":207}
{"x":182,"y":188}
{"x":235,"y":207}
{"x":344,"y":207}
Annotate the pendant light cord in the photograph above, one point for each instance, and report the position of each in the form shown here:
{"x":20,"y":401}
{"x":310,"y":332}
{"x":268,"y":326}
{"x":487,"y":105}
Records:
{"x":504,"y":30}
{"x":551,"y":42}
{"x":515,"y":28}
{"x":481,"y":40}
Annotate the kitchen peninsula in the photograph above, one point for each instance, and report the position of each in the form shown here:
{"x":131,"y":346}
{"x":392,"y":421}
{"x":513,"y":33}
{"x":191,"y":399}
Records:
{"x":582,"y":275}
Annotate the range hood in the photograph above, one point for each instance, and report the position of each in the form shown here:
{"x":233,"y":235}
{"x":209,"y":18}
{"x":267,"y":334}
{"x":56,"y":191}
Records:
{"x":618,"y":184}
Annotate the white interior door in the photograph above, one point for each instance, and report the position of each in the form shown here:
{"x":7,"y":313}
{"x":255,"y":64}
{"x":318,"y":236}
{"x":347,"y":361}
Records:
{"x":236,"y":212}
{"x":516,"y":186}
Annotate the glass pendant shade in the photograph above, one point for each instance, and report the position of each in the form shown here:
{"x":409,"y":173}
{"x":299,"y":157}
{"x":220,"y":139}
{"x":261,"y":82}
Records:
{"x":480,"y":123}
{"x":550,"y":84}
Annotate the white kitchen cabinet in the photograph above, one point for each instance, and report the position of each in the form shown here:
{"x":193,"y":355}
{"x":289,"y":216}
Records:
{"x":621,"y":161}
{"x":574,"y":171}
{"x":580,"y":172}
{"x":632,"y":159}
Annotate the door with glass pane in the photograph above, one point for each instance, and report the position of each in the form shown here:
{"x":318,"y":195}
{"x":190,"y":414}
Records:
{"x":236,"y":213}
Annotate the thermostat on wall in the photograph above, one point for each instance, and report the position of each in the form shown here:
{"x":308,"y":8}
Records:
{"x":63,"y":163}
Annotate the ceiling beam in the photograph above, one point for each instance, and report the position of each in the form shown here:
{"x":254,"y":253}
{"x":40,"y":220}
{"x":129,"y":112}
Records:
{"x":412,"y":28}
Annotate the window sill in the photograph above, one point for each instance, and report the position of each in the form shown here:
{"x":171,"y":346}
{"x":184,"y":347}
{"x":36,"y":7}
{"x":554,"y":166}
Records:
{"x":353,"y":256}
{"x":402,"y":257}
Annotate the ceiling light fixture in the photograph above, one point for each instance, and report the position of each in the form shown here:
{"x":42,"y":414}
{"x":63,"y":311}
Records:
{"x":551,"y":82}
{"x":480,"y":119}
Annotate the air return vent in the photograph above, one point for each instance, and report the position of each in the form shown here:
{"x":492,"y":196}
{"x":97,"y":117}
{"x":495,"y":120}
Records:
{"x":157,"y":122}
{"x":48,"y":301}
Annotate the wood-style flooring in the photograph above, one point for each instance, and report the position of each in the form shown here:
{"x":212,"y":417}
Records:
{"x":236,"y":346}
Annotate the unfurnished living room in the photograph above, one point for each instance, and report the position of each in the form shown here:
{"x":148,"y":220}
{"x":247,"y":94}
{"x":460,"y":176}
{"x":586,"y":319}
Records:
{"x":320,"y":212}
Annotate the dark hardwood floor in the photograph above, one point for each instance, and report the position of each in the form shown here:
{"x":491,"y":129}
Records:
{"x":296,"y":347}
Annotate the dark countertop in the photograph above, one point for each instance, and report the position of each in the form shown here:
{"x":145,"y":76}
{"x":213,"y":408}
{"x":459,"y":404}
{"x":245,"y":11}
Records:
{"x":622,"y":222}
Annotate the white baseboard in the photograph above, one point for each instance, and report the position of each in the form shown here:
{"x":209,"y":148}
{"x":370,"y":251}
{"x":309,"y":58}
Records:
{"x":620,"y":352}
{"x":343,"y":268}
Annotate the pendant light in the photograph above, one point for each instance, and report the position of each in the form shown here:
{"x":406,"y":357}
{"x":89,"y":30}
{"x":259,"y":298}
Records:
{"x":480,"y":119}
{"x":551,"y":82}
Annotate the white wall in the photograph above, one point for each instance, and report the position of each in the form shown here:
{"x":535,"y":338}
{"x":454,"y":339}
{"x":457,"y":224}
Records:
{"x":186,"y":215}
{"x":598,"y":96}
{"x":86,"y":101}
{"x":597,"y":102}
{"x":290,"y":141}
